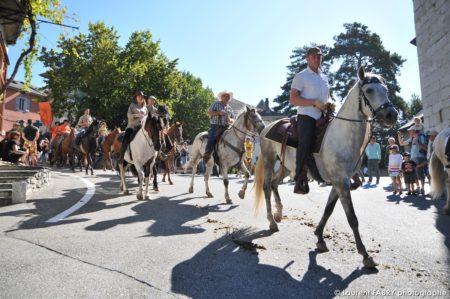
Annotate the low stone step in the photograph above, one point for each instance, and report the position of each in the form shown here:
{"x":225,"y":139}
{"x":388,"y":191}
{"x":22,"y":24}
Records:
{"x":5,"y":201}
{"x":6,"y":193}
{"x":11,"y":179}
{"x":5,"y":185}
{"x":18,"y":172}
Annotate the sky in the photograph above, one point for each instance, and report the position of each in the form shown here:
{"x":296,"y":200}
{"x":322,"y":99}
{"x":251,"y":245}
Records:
{"x":243,"y":46}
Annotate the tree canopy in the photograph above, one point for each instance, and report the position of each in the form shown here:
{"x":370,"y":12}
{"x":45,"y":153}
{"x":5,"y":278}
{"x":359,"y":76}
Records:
{"x":355,"y":47}
{"x":93,"y":71}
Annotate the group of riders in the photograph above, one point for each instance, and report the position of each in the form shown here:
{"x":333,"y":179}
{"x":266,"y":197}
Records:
{"x":22,"y":144}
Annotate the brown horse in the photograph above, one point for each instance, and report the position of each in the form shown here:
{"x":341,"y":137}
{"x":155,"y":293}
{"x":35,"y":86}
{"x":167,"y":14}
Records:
{"x":65,"y":151}
{"x":175,"y":133}
{"x":108,"y":148}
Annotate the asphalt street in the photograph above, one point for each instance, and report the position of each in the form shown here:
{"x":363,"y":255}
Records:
{"x":182,"y":245}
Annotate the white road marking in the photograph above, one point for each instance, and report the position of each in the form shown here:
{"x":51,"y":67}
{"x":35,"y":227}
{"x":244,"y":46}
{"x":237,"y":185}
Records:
{"x":86,"y":197}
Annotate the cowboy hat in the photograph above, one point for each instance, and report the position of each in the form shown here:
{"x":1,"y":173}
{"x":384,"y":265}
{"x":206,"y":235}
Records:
{"x":219,"y":95}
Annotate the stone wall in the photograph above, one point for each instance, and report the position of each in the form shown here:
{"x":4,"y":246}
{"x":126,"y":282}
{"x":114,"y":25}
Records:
{"x":432,"y":21}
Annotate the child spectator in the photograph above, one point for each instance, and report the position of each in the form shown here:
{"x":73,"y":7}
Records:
{"x":409,"y":172}
{"x":418,"y":126}
{"x":394,"y":168}
{"x":184,"y":156}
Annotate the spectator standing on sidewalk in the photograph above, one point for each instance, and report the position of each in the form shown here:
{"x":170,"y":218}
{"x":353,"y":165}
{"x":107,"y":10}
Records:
{"x":373,"y":153}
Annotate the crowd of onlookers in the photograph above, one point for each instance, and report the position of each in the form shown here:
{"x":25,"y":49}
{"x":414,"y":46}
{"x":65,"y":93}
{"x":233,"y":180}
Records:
{"x":23,"y":144}
{"x":407,"y":161}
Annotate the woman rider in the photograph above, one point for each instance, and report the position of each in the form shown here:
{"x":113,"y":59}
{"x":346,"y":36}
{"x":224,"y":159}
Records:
{"x":136,"y":112}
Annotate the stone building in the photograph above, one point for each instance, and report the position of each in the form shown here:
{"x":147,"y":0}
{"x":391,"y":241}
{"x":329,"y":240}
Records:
{"x":432,"y":22}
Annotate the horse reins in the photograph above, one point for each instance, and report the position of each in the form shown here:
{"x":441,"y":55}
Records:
{"x":362,"y":96}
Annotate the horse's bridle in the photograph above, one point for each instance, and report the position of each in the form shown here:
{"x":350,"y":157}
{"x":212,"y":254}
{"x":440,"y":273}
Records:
{"x":249,"y":133}
{"x":363,"y":98}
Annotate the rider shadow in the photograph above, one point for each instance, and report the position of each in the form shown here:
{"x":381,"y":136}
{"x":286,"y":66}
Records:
{"x":167,"y":217}
{"x":224,"y":270}
{"x":419,"y":202}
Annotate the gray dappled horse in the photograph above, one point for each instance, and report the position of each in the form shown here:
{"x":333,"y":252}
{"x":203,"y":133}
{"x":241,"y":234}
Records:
{"x":141,"y":153}
{"x":229,"y":149}
{"x":440,"y":176}
{"x":344,"y":141}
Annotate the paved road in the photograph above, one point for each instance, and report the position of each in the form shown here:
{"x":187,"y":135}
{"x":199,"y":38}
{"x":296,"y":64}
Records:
{"x":180,"y":245}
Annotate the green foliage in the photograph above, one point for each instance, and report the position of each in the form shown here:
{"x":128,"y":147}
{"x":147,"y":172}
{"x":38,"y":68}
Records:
{"x":298,"y":63}
{"x":355,"y":47}
{"x":92,"y":71}
{"x":413,"y":107}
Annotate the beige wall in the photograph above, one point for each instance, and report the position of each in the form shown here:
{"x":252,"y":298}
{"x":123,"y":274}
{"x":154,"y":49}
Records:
{"x":432,"y":21}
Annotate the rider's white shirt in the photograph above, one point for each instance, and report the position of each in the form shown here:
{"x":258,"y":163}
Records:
{"x":311,"y":86}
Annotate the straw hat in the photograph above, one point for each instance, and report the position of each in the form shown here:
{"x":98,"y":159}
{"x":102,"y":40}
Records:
{"x":220,"y":94}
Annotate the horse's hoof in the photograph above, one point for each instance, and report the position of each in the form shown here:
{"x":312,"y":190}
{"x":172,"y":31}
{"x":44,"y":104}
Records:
{"x":191,"y":190}
{"x":228,"y":202}
{"x":155,"y":189}
{"x":322,"y":247}
{"x":163,"y":180}
{"x":241,"y":194}
{"x":369,"y":263}
{"x":147,"y":197}
{"x":273,"y":227}
{"x":209,"y":195}
{"x":170,"y":183}
{"x":277,"y":217}
{"x":140,"y":197}
{"x":126,"y":192}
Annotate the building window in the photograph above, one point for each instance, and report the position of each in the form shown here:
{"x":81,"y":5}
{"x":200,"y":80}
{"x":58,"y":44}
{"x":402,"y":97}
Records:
{"x":22,"y":104}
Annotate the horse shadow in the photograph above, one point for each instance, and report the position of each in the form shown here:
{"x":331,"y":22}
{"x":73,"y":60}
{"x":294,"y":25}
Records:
{"x":168,"y":217}
{"x":443,"y":226}
{"x":225,"y":270}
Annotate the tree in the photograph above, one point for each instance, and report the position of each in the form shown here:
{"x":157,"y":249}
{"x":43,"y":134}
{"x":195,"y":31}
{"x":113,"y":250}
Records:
{"x":52,"y":12}
{"x":298,"y":63}
{"x":93,"y":71}
{"x":414,"y":107}
{"x":192,"y":106}
{"x":356,"y":47}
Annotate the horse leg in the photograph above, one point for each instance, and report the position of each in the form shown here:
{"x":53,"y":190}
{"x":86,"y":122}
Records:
{"x":277,"y":178}
{"x":209,"y":166}
{"x":225,"y":183}
{"x":147,"y":170}
{"x":246,"y":173}
{"x":331,"y":203}
{"x":140,"y":180}
{"x":194,"y":163}
{"x":273,"y":226}
{"x":447,"y":184}
{"x":155,"y":181}
{"x":123,"y":186}
{"x":346,"y":200}
{"x":168,"y":170}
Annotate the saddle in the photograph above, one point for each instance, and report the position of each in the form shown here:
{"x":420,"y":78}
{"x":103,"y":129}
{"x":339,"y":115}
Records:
{"x":286,"y":133}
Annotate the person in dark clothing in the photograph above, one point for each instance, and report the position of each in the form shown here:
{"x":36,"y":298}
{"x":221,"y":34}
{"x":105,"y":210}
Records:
{"x":30,"y":136}
{"x":14,"y":153}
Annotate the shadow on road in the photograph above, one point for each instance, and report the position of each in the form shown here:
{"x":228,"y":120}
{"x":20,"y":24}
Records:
{"x":226,"y":270}
{"x":169,"y":216}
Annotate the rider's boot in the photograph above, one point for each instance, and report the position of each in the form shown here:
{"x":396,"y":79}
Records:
{"x":122,"y":151}
{"x":301,"y":184}
{"x":356,"y":182}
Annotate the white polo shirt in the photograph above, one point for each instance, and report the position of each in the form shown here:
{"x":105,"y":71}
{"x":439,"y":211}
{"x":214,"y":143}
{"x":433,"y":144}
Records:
{"x":311,"y":86}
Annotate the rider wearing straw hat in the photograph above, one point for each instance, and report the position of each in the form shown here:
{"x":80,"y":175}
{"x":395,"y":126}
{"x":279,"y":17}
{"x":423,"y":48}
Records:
{"x":221,"y":115}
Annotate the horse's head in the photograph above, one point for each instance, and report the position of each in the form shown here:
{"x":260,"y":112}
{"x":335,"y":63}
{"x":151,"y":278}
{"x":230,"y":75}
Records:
{"x":175,"y":132}
{"x":374,"y":101}
{"x":253,"y":121}
{"x":154,"y":126}
{"x":93,"y":128}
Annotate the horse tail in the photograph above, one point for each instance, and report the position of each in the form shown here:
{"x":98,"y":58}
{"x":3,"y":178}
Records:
{"x":437,"y":176}
{"x":259,"y":182}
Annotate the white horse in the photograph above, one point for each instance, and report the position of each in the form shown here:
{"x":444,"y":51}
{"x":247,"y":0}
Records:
{"x":342,"y":146}
{"x":144,"y":149}
{"x":440,"y":176}
{"x":230,"y":150}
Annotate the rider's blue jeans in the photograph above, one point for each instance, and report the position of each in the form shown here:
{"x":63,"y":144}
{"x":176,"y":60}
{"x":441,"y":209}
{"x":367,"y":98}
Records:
{"x":212,"y":137}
